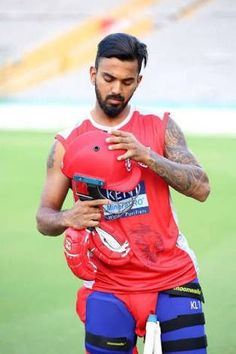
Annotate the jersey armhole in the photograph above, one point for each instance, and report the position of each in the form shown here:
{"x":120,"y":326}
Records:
{"x":62,"y":140}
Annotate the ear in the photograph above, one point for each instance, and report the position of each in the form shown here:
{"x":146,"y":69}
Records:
{"x":139,"y":79}
{"x":93,"y":72}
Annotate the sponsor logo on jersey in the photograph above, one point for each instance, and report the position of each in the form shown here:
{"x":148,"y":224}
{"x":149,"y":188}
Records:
{"x":125,"y":204}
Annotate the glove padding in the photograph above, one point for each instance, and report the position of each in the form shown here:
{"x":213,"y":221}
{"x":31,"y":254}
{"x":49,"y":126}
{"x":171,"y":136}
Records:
{"x":85,"y":249}
{"x":77,"y":253}
{"x":109,"y":246}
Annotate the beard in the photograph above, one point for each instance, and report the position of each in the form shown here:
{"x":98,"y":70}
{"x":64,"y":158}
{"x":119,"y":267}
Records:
{"x":111,"y":110}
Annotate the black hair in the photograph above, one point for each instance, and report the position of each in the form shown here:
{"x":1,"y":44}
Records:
{"x":122,"y":46}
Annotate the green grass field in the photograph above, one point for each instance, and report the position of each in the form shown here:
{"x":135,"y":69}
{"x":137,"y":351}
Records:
{"x":37,"y":291}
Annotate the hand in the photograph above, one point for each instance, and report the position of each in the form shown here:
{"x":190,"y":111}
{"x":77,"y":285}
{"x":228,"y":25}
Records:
{"x":127,"y":141}
{"x":84,"y":214}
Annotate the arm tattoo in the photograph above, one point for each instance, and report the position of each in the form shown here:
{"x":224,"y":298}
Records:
{"x":178,"y":167}
{"x":176,"y":147}
{"x":51,"y":160}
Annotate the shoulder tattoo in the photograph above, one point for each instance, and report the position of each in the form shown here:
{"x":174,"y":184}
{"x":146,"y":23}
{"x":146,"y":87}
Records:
{"x":176,"y":146}
{"x":51,"y":156}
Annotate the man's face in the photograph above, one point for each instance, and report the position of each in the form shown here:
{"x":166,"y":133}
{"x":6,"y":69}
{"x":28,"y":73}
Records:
{"x":115,"y":82}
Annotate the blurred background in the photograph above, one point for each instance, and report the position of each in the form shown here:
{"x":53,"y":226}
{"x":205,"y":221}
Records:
{"x":46,"y":49}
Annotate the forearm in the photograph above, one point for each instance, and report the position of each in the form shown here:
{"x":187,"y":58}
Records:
{"x":50,"y":222}
{"x":187,"y":179}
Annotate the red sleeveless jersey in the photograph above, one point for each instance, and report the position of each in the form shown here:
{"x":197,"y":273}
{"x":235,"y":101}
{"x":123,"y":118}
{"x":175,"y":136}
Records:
{"x":161,"y":256}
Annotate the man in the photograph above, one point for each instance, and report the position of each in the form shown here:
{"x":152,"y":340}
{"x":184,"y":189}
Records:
{"x":159,"y":276}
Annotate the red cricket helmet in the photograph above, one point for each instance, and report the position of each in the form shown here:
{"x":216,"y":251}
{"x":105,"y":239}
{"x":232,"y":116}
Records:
{"x":88,"y":156}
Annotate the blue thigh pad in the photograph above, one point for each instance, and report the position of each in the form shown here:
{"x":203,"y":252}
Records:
{"x":182,"y":324}
{"x":109,"y":326}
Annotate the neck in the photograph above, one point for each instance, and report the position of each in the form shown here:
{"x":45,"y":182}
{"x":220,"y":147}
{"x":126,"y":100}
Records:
{"x":101,"y":118}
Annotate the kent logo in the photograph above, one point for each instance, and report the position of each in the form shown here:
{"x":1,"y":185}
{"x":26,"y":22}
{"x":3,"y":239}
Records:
{"x":125,"y":204}
{"x":115,"y":196}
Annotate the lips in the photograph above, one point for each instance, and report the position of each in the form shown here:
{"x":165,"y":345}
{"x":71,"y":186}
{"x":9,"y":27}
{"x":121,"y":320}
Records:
{"x":115,"y":100}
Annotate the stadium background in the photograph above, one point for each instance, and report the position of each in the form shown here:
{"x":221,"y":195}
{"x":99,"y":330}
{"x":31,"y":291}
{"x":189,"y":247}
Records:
{"x":46,"y":49}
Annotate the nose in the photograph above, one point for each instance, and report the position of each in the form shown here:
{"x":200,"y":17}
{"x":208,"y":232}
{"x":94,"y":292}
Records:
{"x":116,"y":87}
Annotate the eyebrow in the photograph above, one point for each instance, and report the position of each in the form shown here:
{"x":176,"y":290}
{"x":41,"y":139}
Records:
{"x":113,"y":77}
{"x":107,"y":74}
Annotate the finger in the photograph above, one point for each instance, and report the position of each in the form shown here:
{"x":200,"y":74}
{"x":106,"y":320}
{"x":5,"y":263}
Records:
{"x":93,"y":223}
{"x":86,"y":224}
{"x":119,"y":146}
{"x":94,"y":210}
{"x":120,"y":133}
{"x":125,"y":156}
{"x":98,"y":202}
{"x":117,"y":140}
{"x":95,"y":216}
{"x":95,"y":202}
{"x":116,"y":135}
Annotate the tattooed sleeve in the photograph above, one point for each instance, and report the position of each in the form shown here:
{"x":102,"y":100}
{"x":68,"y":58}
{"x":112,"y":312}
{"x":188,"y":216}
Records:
{"x":179,"y":168}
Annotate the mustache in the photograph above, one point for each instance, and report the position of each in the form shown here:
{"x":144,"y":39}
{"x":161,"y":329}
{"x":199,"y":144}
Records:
{"x":115,"y":97}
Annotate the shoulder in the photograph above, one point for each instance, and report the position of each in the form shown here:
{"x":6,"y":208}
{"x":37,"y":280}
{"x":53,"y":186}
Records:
{"x":151,"y":114}
{"x":151,"y":119}
{"x":174,"y":134}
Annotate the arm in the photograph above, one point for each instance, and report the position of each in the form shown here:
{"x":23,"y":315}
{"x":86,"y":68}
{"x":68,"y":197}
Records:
{"x":51,"y":220}
{"x":178,"y":167}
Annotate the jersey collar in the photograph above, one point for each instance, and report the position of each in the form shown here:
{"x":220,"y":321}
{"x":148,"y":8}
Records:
{"x":116,"y":127}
